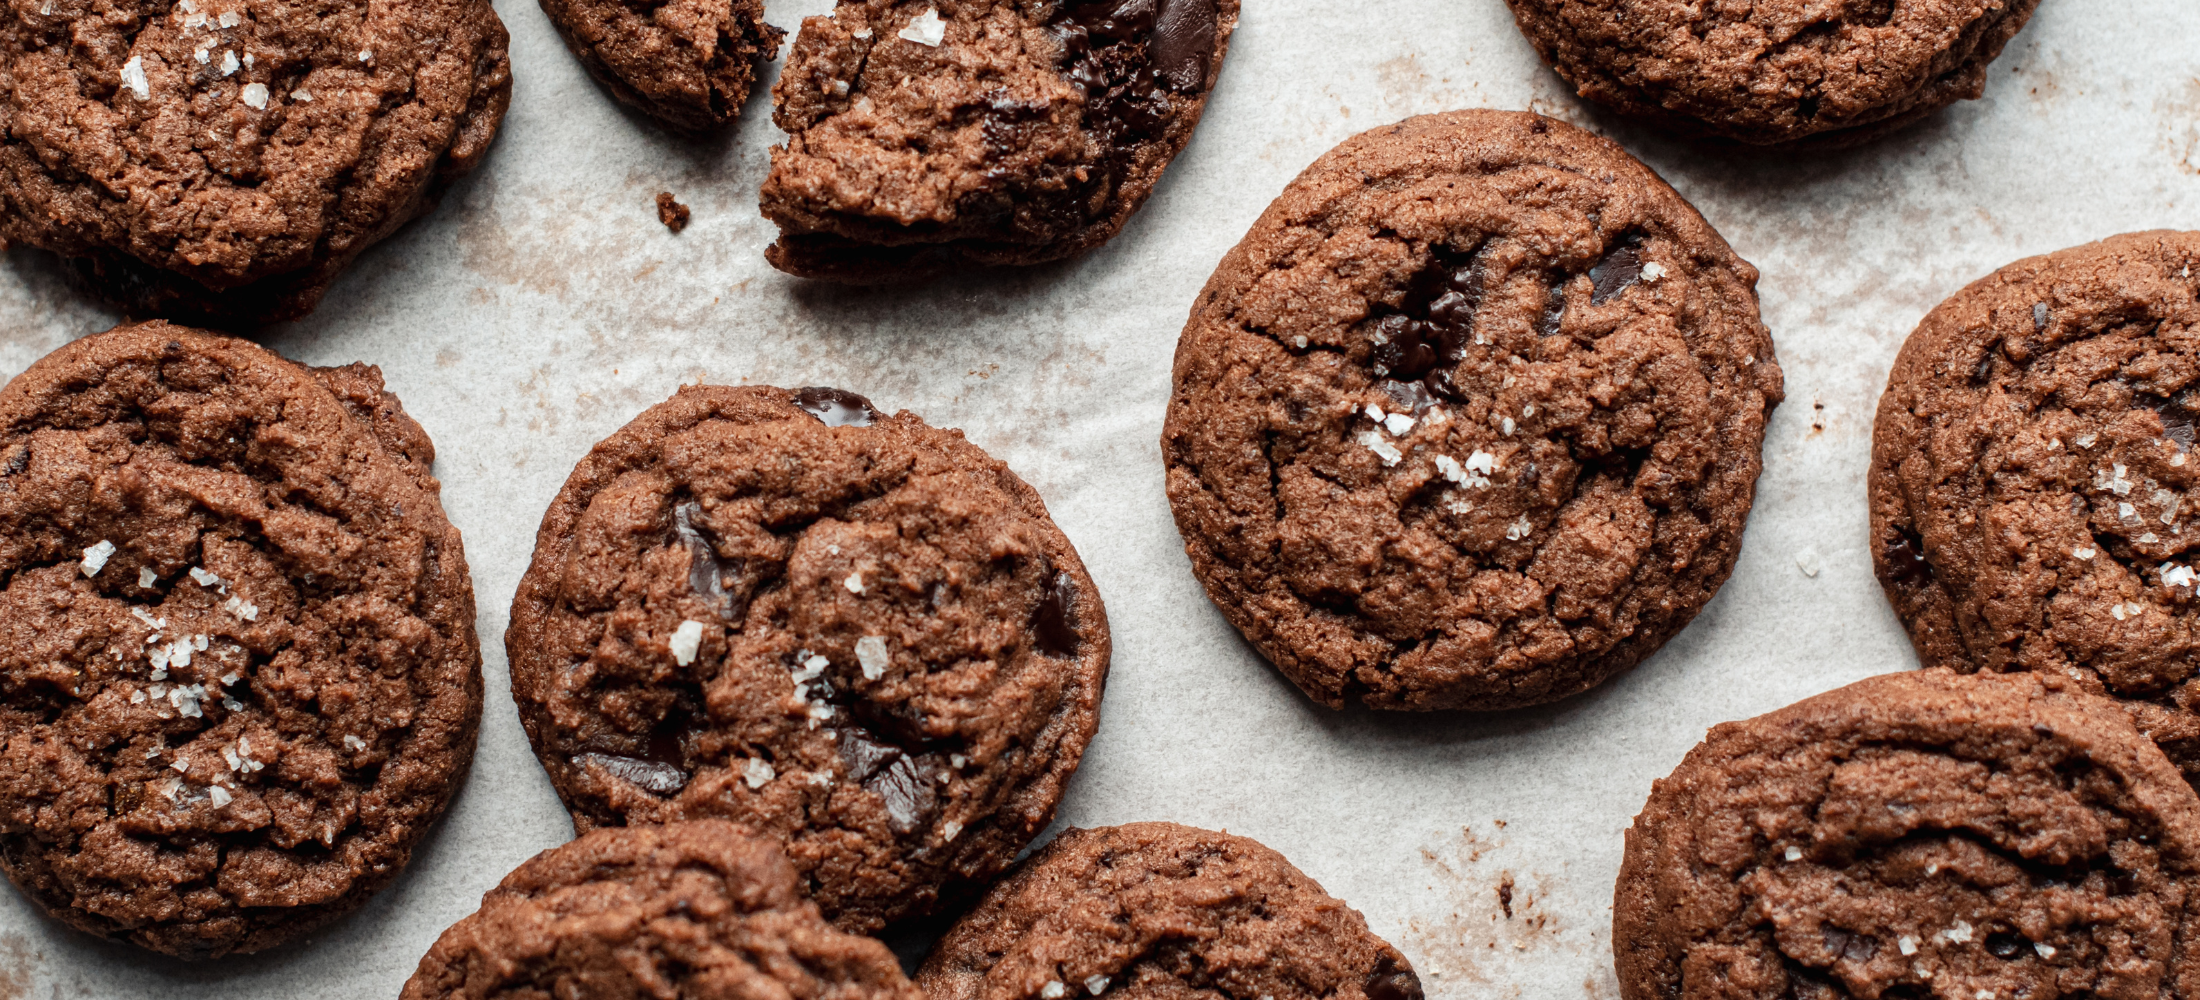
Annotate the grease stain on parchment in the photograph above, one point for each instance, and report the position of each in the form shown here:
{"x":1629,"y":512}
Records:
{"x":2180,"y":117}
{"x":18,"y":966}
{"x":1496,"y":917}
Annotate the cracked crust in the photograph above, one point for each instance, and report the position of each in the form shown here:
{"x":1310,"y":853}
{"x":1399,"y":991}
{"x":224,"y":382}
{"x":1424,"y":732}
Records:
{"x":1155,"y":910}
{"x":893,"y":658}
{"x":239,"y":726}
{"x":1792,"y":73}
{"x":686,"y":63}
{"x":1030,"y":133}
{"x":699,"y":911}
{"x":1923,"y":834}
{"x":153,"y":171}
{"x":1471,"y":418}
{"x":2032,"y":480}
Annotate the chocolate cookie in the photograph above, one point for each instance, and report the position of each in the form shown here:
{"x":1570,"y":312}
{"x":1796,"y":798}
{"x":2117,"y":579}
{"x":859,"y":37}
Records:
{"x":1916,"y":835}
{"x":1157,"y":909}
{"x":698,"y":911}
{"x":238,"y":672}
{"x":1471,"y":418}
{"x":850,"y":631}
{"x":687,"y":63}
{"x":1817,"y":74}
{"x":224,"y":160}
{"x":2033,"y":477}
{"x":926,"y":136}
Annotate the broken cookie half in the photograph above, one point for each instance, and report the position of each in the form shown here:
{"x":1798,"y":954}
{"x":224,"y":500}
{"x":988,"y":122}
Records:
{"x":686,"y":63}
{"x":926,"y":136}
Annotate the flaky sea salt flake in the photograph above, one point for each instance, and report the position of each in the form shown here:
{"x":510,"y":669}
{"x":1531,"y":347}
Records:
{"x":366,"y":55}
{"x":137,"y":697}
{"x":1507,"y":426}
{"x":146,"y":578}
{"x":854,"y":582}
{"x":1382,"y":449}
{"x":254,"y":95}
{"x":871,"y":653}
{"x":1053,"y":990}
{"x":1794,"y":853}
{"x":757,"y":772}
{"x":230,"y":19}
{"x":927,"y":29}
{"x":133,"y":78}
{"x":1652,"y":271}
{"x":2086,"y":440}
{"x":218,"y":795}
{"x":1096,"y":985}
{"x":1959,"y":933}
{"x":204,"y":578}
{"x":1450,"y":468}
{"x":95,"y":556}
{"x":950,"y":830}
{"x":229,"y":62}
{"x":686,"y":640}
{"x":2174,"y":575}
{"x":1907,"y":944}
{"x":2044,"y":949}
{"x":1518,"y":530}
{"x":354,"y":743}
{"x":2085,"y":553}
{"x":302,"y":94}
{"x":1398,"y":424}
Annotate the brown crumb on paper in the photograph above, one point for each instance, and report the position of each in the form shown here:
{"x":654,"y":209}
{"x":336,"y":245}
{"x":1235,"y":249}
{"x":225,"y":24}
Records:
{"x":673,"y":214}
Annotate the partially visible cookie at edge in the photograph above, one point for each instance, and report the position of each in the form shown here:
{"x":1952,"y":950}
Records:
{"x":1920,"y":834}
{"x":1787,"y":75}
{"x":696,"y":910}
{"x":1471,"y":418}
{"x":239,"y":680}
{"x":222,"y":161}
{"x":686,"y":63}
{"x":2033,"y":481}
{"x":847,"y":630}
{"x":928,"y":137}
{"x":1158,"y":909}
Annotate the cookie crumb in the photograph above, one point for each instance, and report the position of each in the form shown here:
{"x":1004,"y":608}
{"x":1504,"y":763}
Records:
{"x":673,"y":214}
{"x":1807,"y":561}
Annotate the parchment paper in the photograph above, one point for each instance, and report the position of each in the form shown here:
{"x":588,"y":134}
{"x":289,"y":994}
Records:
{"x":543,"y":306}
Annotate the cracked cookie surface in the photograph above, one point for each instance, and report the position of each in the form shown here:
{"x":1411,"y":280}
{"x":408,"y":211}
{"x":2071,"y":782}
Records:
{"x":850,"y":631}
{"x":2033,"y":483}
{"x":224,"y":160}
{"x":1916,"y":835}
{"x":238,"y":672}
{"x":924,"y":137}
{"x":1774,"y":72}
{"x":1471,"y":418}
{"x":687,"y":63}
{"x":1149,"y":910}
{"x":698,"y":911}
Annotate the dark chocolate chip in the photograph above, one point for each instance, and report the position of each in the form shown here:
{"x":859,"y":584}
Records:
{"x":654,"y":777}
{"x":1184,"y":43}
{"x":1411,"y":397}
{"x":2004,"y":945}
{"x":1392,"y":981}
{"x":835,"y":407}
{"x":1906,"y":560}
{"x":1620,"y":269}
{"x":1056,"y":620}
{"x":716,"y":580}
{"x":1848,"y":945}
{"x":1554,"y":309}
{"x":2177,"y":420}
{"x":903,"y":781}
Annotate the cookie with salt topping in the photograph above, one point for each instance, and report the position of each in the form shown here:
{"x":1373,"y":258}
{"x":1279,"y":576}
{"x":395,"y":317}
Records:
{"x":847,"y":630}
{"x":2033,"y":483}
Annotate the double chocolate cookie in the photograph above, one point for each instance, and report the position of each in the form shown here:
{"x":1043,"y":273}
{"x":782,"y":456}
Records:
{"x":1161,"y":910}
{"x":2033,"y":477}
{"x":222,"y":159}
{"x":687,"y":63}
{"x":698,"y":911}
{"x":1916,"y":835}
{"x":846,"y":630}
{"x":238,"y":672}
{"x":1471,"y":418}
{"x":1818,"y":74}
{"x":925,"y":136}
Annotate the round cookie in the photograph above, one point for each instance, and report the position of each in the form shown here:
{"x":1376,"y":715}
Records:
{"x":1471,"y":418}
{"x":924,"y":137}
{"x":687,"y":63}
{"x":238,"y":672}
{"x":698,"y":911}
{"x":1159,"y":910}
{"x":2033,"y":479}
{"x":1923,"y":834}
{"x":223,"y":160}
{"x":1766,"y":74}
{"x":846,"y":630}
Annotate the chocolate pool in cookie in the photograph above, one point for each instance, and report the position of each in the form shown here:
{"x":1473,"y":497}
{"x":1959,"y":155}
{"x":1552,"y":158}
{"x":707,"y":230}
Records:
{"x":1916,"y":835}
{"x":696,"y":911}
{"x":238,"y":673}
{"x":849,"y":631}
{"x":1471,"y":418}
{"x":2033,"y":480}
{"x":927,"y":136}
{"x":224,"y":160}
{"x":1788,"y":74}
{"x":1157,"y":909}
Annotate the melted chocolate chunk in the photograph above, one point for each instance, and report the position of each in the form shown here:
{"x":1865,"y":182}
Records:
{"x":1056,"y":621}
{"x":654,"y":777}
{"x":1620,"y":269}
{"x":1906,"y":560}
{"x":1429,"y":334}
{"x":718,"y":581}
{"x":2006,"y":946}
{"x":1844,"y":944}
{"x":2177,"y":419}
{"x":1554,"y":309}
{"x":835,"y":407}
{"x":1411,"y":397}
{"x":906,"y":783}
{"x":1390,"y":981}
{"x":1184,"y":43}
